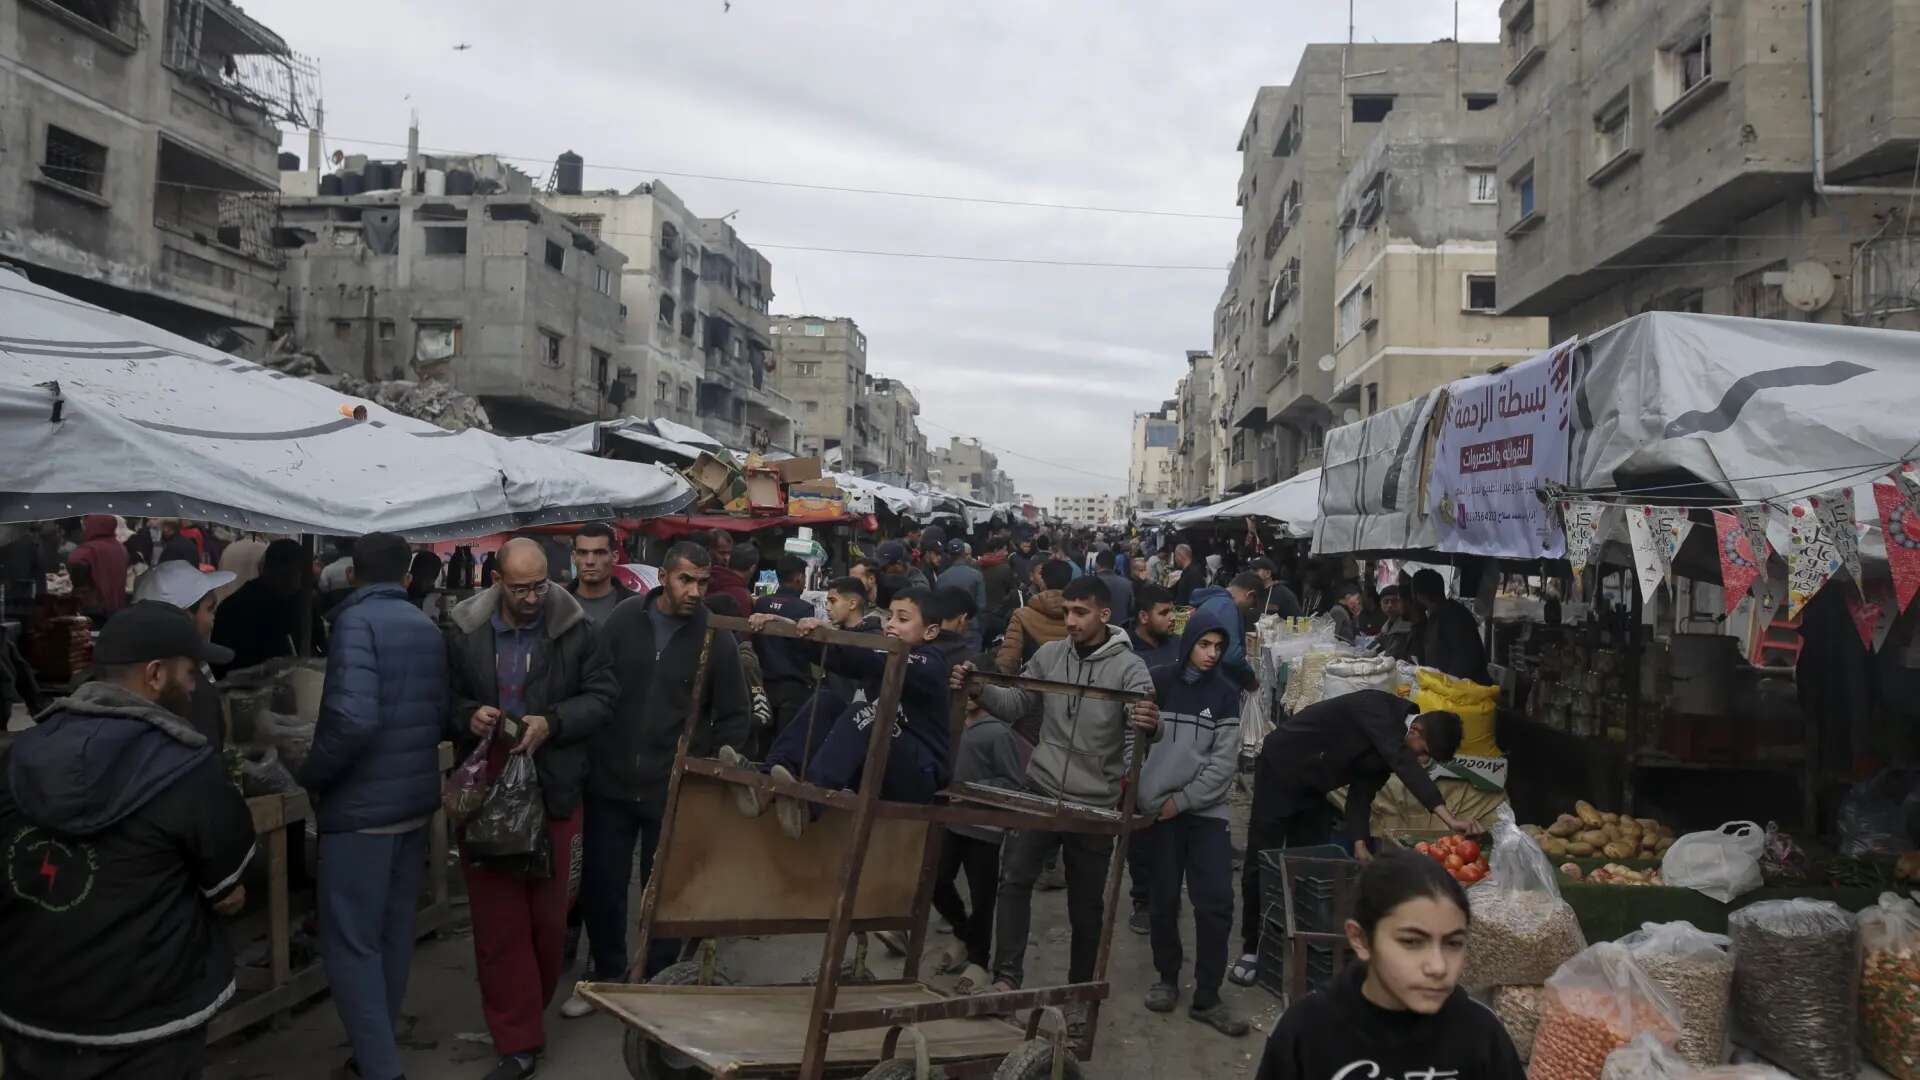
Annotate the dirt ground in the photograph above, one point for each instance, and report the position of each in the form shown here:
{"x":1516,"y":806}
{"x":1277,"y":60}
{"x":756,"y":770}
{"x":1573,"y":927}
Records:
{"x":444,"y":1038}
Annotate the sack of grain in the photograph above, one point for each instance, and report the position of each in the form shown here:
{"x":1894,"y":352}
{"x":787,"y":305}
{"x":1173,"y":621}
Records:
{"x":1518,"y":1008}
{"x":1597,"y":1003}
{"x":1522,"y":931}
{"x":1695,"y":970}
{"x":1471,"y":701}
{"x":1890,"y":985}
{"x":1796,"y":993}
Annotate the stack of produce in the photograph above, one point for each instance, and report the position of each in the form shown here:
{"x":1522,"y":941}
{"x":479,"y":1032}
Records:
{"x":1589,"y":832}
{"x":1522,"y":931}
{"x":1796,"y":991}
{"x":1597,"y":1003}
{"x":1611,"y":874}
{"x":1890,"y":985}
{"x":1460,"y":855}
{"x":1695,"y":970}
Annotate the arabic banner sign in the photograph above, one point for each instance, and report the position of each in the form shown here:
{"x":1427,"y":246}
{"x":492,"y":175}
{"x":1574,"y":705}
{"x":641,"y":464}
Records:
{"x":1503,"y":437}
{"x":1740,"y":565}
{"x":1582,"y":520}
{"x":1900,"y":525}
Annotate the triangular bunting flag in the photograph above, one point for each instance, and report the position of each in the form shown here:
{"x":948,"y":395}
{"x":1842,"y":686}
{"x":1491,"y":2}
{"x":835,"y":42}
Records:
{"x":1900,"y":525}
{"x":1813,"y":555}
{"x":1865,"y":617}
{"x":1739,"y":564}
{"x":1647,"y":564}
{"x":1582,"y":520}
{"x":1836,"y":512}
{"x":1908,"y":482}
{"x":1670,"y":528}
{"x":1753,"y":519}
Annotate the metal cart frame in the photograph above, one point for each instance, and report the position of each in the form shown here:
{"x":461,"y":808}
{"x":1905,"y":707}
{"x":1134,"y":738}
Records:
{"x":692,"y":790}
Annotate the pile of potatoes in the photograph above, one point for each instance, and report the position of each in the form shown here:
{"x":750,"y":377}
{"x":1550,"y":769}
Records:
{"x":1588,"y":832}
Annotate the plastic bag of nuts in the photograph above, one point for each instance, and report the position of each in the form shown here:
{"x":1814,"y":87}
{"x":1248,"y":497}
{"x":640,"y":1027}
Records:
{"x":1598,"y":1002}
{"x":1890,"y":985}
{"x":1521,"y":930}
{"x":1693,"y":967}
{"x":1796,"y":994}
{"x":1518,"y":1008}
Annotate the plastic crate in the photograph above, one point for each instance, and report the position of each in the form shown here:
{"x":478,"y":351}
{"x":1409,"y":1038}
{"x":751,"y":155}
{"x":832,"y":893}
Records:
{"x":1317,"y":878}
{"x":1320,"y":963}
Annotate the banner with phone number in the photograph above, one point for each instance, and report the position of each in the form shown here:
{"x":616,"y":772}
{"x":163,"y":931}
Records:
{"x":1503,"y":436}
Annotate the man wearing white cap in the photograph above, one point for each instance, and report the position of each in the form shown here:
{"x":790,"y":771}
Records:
{"x":191,"y":589}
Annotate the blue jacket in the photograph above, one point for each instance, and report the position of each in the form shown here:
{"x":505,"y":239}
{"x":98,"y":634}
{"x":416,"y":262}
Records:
{"x":375,"y":759}
{"x":1226,"y":614}
{"x":1199,"y":747}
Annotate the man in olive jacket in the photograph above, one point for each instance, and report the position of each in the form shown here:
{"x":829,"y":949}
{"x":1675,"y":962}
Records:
{"x":527,"y":676}
{"x":653,"y":646}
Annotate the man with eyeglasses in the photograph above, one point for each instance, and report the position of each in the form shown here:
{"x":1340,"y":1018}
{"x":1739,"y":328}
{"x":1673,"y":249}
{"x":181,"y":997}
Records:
{"x":527,"y":679}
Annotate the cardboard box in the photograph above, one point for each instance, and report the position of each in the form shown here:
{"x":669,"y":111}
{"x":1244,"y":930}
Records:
{"x":710,"y":474}
{"x":798,"y":470}
{"x":825,"y":489}
{"x":805,"y":506}
{"x":763,"y":490}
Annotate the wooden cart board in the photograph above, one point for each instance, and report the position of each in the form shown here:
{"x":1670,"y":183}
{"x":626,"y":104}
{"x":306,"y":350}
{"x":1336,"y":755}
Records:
{"x":745,"y":1031}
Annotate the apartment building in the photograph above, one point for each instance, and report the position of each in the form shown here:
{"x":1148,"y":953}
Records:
{"x":820,"y":364}
{"x":496,"y":293}
{"x":1721,"y":157}
{"x":1151,"y":483}
{"x":1416,"y":284}
{"x":1199,"y":428}
{"x":965,"y":467}
{"x":1084,"y":511}
{"x":139,"y":144}
{"x":1281,"y":376}
{"x":895,"y":431}
{"x":696,"y":333}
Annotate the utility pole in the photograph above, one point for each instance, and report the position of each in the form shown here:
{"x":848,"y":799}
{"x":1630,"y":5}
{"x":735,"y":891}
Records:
{"x":369,"y":329}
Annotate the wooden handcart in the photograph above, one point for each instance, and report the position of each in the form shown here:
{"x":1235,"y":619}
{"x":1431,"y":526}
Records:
{"x":866,"y":864}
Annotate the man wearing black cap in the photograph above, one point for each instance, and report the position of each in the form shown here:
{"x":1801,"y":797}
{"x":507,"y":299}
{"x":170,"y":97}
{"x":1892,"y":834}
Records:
{"x":961,"y":573}
{"x":1276,"y":597}
{"x":896,"y":573}
{"x":123,"y":841}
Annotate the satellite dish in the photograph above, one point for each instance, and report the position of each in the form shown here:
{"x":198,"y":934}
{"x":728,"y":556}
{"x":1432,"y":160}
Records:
{"x":1351,"y":416}
{"x":1808,"y":286}
{"x":1326,"y":362}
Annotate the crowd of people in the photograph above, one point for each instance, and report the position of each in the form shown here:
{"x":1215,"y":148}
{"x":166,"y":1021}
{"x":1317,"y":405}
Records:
{"x":123,"y":818}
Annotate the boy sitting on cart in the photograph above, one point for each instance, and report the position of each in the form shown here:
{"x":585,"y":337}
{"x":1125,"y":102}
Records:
{"x":832,"y":754}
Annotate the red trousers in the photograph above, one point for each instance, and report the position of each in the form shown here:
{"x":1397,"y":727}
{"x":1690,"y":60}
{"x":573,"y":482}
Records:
{"x":519,"y":934}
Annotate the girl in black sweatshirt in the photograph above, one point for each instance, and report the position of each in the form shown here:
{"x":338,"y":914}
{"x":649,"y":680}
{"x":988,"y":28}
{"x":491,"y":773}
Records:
{"x":1396,"y":1013}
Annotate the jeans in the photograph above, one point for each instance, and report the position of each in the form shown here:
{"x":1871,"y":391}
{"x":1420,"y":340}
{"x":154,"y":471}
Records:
{"x":612,"y":829}
{"x":826,"y":744}
{"x":1198,"y":850}
{"x":981,"y":860}
{"x":369,"y":887}
{"x":1306,"y":827}
{"x":176,"y":1057}
{"x":1021,"y":859}
{"x":1139,"y":866}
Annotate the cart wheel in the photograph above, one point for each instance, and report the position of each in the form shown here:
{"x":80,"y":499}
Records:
{"x":1034,"y":1061}
{"x":901,"y":1069}
{"x":648,"y":1060}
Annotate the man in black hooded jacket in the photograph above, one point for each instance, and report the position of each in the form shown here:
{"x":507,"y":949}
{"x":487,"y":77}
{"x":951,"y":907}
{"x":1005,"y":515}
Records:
{"x":123,"y":841}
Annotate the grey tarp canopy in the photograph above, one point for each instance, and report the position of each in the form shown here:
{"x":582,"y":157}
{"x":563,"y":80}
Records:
{"x":146,"y":423}
{"x":1370,"y":482}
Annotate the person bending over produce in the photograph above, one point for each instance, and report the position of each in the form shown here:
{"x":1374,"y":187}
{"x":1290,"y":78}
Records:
{"x":1398,"y":1011}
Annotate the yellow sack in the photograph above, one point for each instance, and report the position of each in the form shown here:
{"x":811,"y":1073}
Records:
{"x":1472,"y":702}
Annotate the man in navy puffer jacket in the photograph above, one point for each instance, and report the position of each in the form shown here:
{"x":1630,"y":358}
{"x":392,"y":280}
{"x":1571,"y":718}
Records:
{"x":374,"y":770}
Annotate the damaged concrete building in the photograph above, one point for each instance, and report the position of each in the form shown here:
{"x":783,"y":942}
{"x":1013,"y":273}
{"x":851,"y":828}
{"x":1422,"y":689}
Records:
{"x":894,"y":431}
{"x":696,"y":329}
{"x":139,"y":151}
{"x":821,"y":365}
{"x":492,"y":291}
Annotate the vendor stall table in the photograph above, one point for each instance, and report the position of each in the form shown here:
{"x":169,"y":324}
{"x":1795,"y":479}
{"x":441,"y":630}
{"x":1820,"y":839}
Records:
{"x":1610,"y":912}
{"x":269,"y":994}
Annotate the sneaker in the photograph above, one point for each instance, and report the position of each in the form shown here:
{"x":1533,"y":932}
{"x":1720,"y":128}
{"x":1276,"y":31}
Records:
{"x":794,"y":815}
{"x":513,"y":1067}
{"x":1221,"y":1019}
{"x":1139,"y":922}
{"x":750,"y":801}
{"x":1162,"y":996}
{"x":576,"y":1006}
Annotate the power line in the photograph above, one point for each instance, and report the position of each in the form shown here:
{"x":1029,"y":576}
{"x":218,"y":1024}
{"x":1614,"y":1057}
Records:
{"x":1018,"y":454}
{"x":804,"y":186}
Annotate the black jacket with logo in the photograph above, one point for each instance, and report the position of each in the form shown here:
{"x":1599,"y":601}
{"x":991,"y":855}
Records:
{"x":1356,"y":739}
{"x":120,"y":832}
{"x":1337,"y":1034}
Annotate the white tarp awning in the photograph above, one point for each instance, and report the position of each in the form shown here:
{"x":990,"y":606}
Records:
{"x":1370,"y":482}
{"x":898,"y":500}
{"x":146,"y":423}
{"x":1294,"y":502}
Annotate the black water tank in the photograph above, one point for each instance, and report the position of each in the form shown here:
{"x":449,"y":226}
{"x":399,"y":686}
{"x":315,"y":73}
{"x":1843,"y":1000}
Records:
{"x":352,"y":183}
{"x":459,"y":181}
{"x":289,"y":162}
{"x":568,"y":170}
{"x":330,"y":184}
{"x":379,"y":177}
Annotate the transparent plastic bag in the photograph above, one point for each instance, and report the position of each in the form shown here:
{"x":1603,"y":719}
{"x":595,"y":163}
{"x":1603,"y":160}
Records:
{"x":465,"y":788}
{"x":261,"y":773}
{"x":1696,"y":970}
{"x":513,"y":818}
{"x":1796,"y":990}
{"x":1521,"y":931}
{"x":1597,"y":1003}
{"x":1890,"y":985}
{"x":1645,"y":1059}
{"x":1722,"y":863}
{"x":1873,"y":814}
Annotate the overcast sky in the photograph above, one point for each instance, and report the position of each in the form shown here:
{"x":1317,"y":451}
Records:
{"x":1085,"y":103}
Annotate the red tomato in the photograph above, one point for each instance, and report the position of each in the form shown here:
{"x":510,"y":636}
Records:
{"x":1473,"y":872}
{"x":1469,"y":850}
{"x":1423,"y":848}
{"x":1454,"y":862}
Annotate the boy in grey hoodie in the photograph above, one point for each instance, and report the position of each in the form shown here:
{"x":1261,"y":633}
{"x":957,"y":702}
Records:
{"x":1079,"y":757}
{"x":1184,"y":786}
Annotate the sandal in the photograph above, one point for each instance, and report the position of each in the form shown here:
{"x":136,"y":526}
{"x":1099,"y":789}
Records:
{"x":1244,"y":970}
{"x":973,"y":980}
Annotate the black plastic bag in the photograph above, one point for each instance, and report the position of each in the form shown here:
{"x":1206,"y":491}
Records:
{"x":513,"y":819}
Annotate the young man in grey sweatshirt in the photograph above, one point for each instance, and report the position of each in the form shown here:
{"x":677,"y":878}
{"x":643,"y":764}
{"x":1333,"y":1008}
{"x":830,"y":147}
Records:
{"x":1079,"y":757}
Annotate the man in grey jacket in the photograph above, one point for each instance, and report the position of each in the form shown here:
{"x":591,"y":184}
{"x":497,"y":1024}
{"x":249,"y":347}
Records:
{"x":1081,"y":756}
